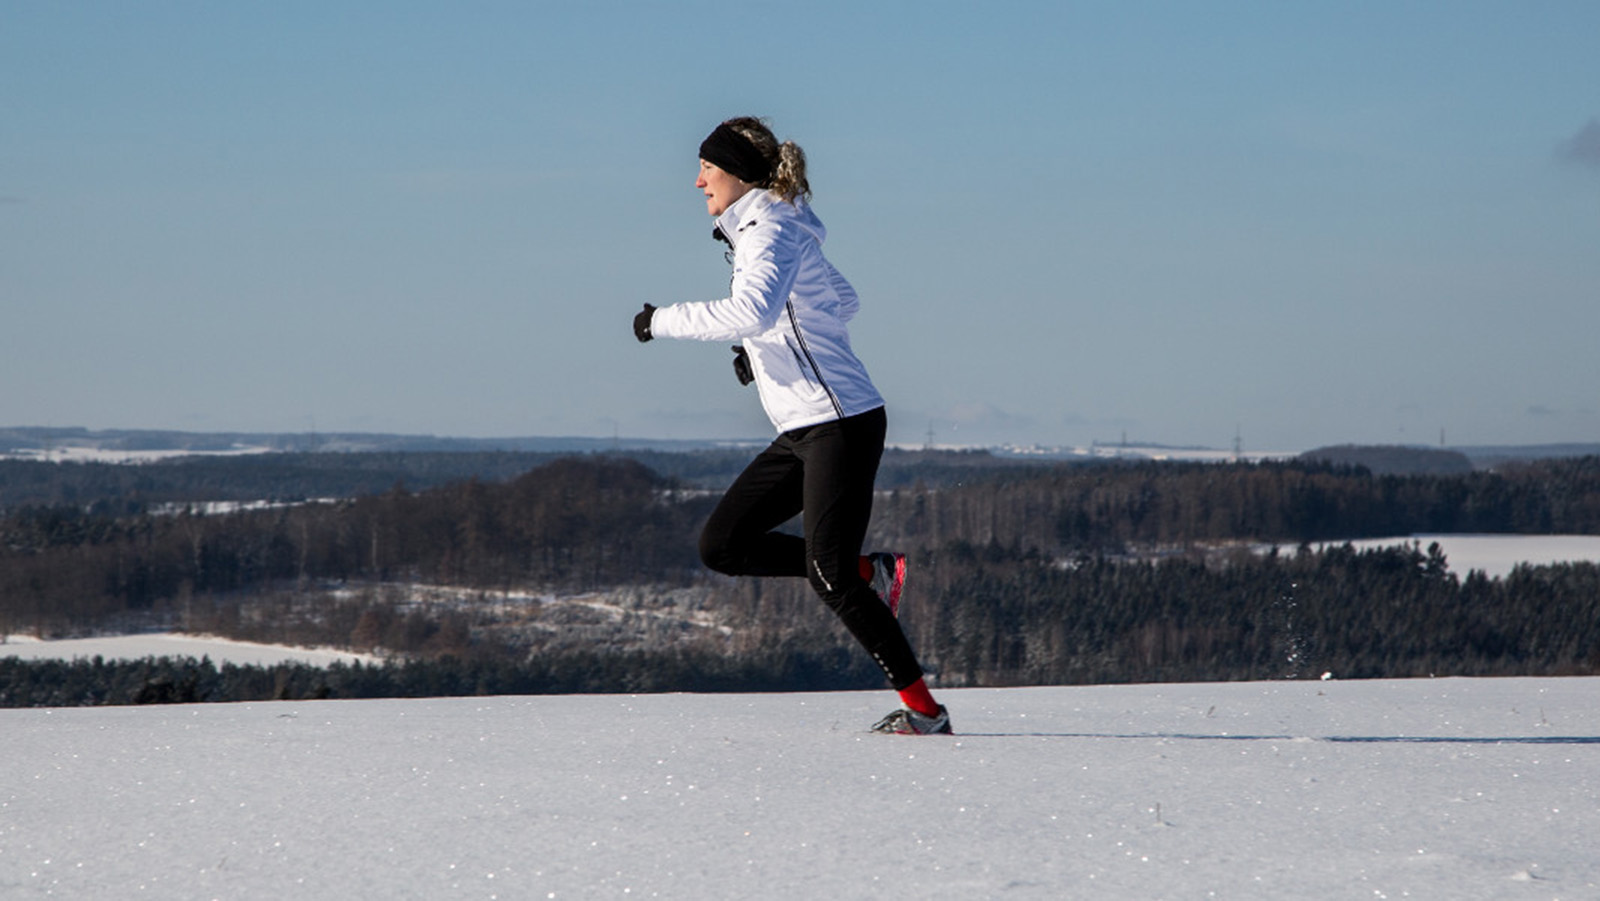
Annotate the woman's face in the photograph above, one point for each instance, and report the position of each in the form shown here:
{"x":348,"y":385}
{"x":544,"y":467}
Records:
{"x":721,"y":188}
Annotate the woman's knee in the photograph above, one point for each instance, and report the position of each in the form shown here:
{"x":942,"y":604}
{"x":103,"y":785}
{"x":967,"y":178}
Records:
{"x":837,"y":586}
{"x":717,"y":555}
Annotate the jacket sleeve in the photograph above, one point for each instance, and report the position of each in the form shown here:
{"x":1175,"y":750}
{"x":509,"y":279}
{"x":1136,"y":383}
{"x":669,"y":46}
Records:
{"x":764,"y":269}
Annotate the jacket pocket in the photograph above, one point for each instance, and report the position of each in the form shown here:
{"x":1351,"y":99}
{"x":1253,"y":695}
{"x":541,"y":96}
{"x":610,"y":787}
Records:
{"x":801,"y":363}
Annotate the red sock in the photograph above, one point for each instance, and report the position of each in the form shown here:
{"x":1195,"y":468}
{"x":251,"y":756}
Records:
{"x":865,"y":567}
{"x":918,"y":698}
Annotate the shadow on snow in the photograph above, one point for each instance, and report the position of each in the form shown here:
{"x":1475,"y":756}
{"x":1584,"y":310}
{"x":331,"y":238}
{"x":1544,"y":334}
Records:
{"x":1340,"y":739}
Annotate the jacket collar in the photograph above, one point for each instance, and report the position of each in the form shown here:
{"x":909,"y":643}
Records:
{"x":759,"y":204}
{"x":741,"y":214}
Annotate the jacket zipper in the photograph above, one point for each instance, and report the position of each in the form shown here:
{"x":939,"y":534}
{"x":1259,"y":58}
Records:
{"x":794,"y":325}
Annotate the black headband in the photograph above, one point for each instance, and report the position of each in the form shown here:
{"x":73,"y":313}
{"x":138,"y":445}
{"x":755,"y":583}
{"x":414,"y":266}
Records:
{"x":736,"y":155}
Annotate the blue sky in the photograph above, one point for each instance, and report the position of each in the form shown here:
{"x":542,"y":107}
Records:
{"x":1302,"y":223}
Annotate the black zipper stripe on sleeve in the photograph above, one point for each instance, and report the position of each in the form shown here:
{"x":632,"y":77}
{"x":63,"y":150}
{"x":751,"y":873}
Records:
{"x":794,"y":323}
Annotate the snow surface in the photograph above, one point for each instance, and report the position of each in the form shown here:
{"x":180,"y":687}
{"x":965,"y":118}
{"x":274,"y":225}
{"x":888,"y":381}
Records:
{"x":1447,"y":788}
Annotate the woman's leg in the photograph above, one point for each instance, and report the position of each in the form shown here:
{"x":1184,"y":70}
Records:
{"x":840,"y":465}
{"x":738,"y":539}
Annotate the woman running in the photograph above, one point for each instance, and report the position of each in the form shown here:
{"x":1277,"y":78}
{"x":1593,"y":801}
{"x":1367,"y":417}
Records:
{"x":787,"y":307}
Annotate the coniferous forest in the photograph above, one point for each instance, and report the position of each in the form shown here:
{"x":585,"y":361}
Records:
{"x":581,"y":574}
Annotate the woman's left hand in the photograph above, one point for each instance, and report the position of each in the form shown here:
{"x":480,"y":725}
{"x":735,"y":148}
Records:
{"x":641,"y":323}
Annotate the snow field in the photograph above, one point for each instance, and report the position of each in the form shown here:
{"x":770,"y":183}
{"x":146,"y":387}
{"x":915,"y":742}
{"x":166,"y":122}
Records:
{"x":175,"y":644}
{"x":1494,"y":555}
{"x":1449,"y":788}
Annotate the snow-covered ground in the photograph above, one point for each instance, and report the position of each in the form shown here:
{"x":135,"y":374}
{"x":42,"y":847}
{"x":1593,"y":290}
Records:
{"x":1449,"y":788}
{"x":172,"y":644}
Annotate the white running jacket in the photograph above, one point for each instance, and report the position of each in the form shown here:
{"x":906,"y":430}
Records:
{"x":788,"y":306}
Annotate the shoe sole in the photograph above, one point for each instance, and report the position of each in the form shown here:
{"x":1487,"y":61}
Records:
{"x":897,"y":585}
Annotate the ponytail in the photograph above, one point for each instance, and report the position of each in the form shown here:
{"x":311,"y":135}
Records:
{"x":789,"y":179}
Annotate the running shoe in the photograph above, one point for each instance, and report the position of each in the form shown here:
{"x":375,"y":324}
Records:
{"x":909,"y":722}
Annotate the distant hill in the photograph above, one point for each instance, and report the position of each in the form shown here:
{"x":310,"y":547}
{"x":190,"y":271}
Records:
{"x":1416,"y":460}
{"x":118,"y":445}
{"x":1387,"y":460}
{"x":1486,"y":456}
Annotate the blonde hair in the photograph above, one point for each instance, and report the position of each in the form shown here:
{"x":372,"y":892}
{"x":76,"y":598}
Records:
{"x":788,"y":161}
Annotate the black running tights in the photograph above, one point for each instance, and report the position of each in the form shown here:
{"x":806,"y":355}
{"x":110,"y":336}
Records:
{"x":824,"y":472}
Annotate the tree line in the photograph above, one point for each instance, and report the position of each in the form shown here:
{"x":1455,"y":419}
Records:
{"x":988,"y":618}
{"x":1031,"y":574}
{"x":121,"y":489}
{"x":1064,"y":509}
{"x":187,"y":680}
{"x":570,"y":523}
{"x":998,"y":618}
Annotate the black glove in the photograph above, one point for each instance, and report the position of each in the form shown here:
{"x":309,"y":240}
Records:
{"x":741,"y":365}
{"x":641,"y":323}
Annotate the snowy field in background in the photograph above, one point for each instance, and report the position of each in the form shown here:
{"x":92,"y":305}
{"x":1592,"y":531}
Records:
{"x":1494,"y":555}
{"x":172,"y":644}
{"x":1443,"y":789}
{"x":94,"y":454}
